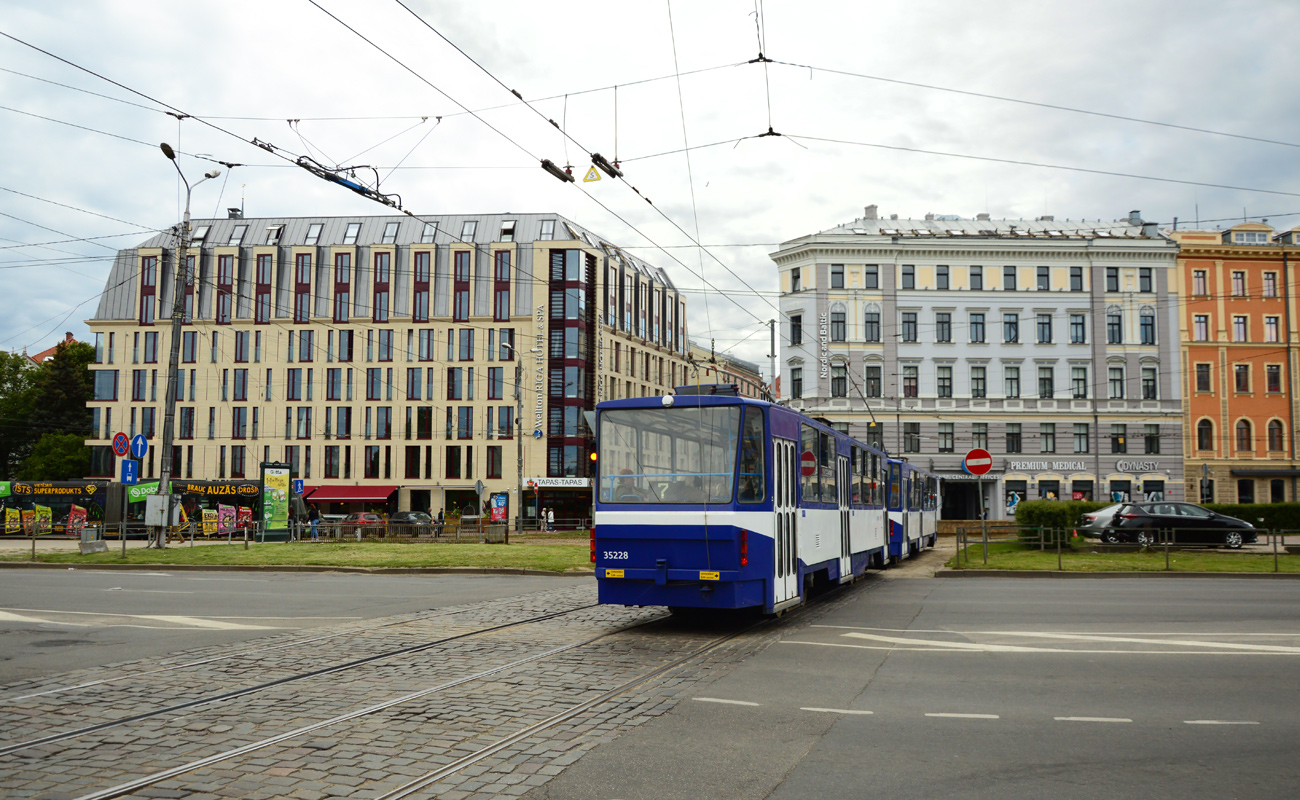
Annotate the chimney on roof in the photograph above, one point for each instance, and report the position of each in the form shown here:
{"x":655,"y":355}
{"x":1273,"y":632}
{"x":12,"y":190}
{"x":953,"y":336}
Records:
{"x":234,"y":213}
{"x":893,"y":216}
{"x":870,"y":212}
{"x":929,"y":217}
{"x":1135,"y":217}
{"x":1149,"y":229}
{"x":67,"y":336}
{"x":983,"y":216}
{"x":1047,"y":218}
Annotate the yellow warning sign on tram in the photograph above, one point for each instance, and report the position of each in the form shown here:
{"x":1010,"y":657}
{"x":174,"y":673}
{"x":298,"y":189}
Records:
{"x":613,"y":573}
{"x":593,"y":174}
{"x":710,"y":576}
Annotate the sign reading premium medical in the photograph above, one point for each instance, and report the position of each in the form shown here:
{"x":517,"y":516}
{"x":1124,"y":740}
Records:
{"x":1137,"y":466}
{"x":1054,"y":466}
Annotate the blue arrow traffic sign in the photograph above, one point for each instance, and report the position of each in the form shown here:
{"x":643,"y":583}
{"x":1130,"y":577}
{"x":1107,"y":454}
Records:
{"x":139,"y":446}
{"x":130,"y":472}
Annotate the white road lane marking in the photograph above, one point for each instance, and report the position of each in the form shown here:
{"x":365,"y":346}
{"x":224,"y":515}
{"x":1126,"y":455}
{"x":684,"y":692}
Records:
{"x":987,"y":648}
{"x":5,"y":616}
{"x":145,"y":591}
{"x":835,"y":710}
{"x":961,"y":716}
{"x":1092,"y":719}
{"x":1081,"y":637}
{"x":210,"y":624}
{"x":111,"y":620}
{"x":1218,"y":722}
{"x":727,"y":702}
{"x":1070,"y":633}
{"x":1052,"y":650}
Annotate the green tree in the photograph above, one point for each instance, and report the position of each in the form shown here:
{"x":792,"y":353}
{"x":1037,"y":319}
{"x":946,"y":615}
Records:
{"x":56,"y":457}
{"x":63,"y":388}
{"x":17,"y":399}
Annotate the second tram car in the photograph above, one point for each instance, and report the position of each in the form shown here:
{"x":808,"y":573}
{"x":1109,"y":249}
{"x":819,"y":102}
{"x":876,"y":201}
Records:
{"x":710,"y":500}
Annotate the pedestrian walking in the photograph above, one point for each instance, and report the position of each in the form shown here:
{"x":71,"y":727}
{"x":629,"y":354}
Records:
{"x":437,"y":529}
{"x":550,"y":519}
{"x":313,"y":517}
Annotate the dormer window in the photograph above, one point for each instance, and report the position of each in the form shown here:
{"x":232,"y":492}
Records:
{"x":1250,"y":237}
{"x":273,"y":234}
{"x":508,"y":230}
{"x":237,"y":236}
{"x":350,"y":235}
{"x":430,"y":230}
{"x":313,"y":232}
{"x":468,"y":229}
{"x":390,"y":233}
{"x":548,"y":230}
{"x":200,"y":234}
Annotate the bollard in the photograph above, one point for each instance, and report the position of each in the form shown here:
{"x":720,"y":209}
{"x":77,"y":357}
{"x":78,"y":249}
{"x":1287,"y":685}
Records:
{"x":1167,"y":538}
{"x":1059,"y":568}
{"x":121,"y":534}
{"x":245,"y":537}
{"x":33,"y":547}
{"x":1273,"y":536}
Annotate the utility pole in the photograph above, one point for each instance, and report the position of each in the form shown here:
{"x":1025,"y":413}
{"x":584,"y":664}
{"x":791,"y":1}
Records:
{"x":519,"y":442}
{"x":771,"y":354}
{"x":174,"y":357}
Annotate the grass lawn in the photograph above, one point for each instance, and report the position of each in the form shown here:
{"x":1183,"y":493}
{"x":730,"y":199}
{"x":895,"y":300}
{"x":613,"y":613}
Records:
{"x":1013,"y":555}
{"x":551,"y":558}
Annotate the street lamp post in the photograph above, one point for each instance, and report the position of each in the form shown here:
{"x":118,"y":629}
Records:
{"x":173,"y":359}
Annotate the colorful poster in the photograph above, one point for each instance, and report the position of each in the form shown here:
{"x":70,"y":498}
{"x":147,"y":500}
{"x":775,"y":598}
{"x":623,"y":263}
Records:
{"x":76,"y":521}
{"x":225,"y":519}
{"x":209,"y":521}
{"x":4,"y":488}
{"x":13,"y":520}
{"x":275,"y":498}
{"x":44,"y":519}
{"x":244,"y":519}
{"x":499,"y":508}
{"x":29,"y":522}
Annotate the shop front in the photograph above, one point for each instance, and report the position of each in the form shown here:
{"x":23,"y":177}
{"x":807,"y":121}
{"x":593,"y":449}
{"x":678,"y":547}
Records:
{"x":344,"y":500}
{"x":28,"y":507}
{"x":568,"y":498}
{"x":966,"y":496}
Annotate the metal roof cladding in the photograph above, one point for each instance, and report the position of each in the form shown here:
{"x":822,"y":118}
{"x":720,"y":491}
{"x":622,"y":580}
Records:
{"x":992,"y":228}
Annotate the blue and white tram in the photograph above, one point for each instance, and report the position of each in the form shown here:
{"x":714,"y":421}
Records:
{"x":712,"y":500}
{"x":913,"y":501}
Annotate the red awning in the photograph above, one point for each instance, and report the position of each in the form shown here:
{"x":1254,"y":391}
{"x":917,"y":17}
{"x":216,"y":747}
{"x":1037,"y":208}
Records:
{"x":348,"y":494}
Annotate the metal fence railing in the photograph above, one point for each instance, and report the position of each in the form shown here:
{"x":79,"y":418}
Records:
{"x":975,"y":543}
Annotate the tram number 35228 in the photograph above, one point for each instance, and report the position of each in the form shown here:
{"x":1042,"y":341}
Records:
{"x":614,"y":555}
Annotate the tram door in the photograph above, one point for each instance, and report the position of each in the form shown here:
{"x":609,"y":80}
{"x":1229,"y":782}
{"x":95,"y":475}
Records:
{"x":786,"y":568}
{"x":845,"y":492}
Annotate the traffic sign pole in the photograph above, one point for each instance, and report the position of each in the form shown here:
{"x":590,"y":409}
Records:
{"x":978,"y":462}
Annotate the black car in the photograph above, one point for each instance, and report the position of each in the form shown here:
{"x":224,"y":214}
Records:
{"x":413,"y":522}
{"x":1177,"y":523}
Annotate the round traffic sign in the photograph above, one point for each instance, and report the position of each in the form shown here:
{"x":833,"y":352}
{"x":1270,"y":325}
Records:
{"x":807,"y":463}
{"x":139,"y":446}
{"x":120,"y":444}
{"x":978,"y":461}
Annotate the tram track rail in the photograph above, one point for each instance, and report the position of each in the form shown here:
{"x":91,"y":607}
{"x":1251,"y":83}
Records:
{"x":249,"y":690}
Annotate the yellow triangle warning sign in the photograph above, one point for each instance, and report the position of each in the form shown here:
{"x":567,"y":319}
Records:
{"x":593,"y":174}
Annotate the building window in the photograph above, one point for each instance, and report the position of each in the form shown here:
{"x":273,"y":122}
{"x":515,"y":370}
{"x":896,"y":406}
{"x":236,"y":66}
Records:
{"x":1046,"y":382}
{"x":1014,"y":443}
{"x":501,"y":287}
{"x":911,"y":381}
{"x":839,"y":381}
{"x":871,"y":276}
{"x":977,"y":327}
{"x":909,"y":276}
{"x":872,"y":326}
{"x":795,"y":275}
{"x":460,"y":286}
{"x":1151,"y":438}
{"x":342,"y":286}
{"x":1238,"y":284}
{"x":1011,"y":328}
{"x":943,"y":326}
{"x":978,"y":382}
{"x":1205,"y":435}
{"x":1271,"y":330}
{"x":350,"y":237}
{"x":1199,"y":286}
{"x":1079,"y":383}
{"x":1203,"y":378}
{"x":1241,"y":377}
{"x":1116,"y":383}
{"x":979,"y":434}
{"x":977,"y":279}
{"x":1245,"y":442}
{"x":1081,"y":437}
{"x":837,"y":276}
{"x":909,"y":326}
{"x":1201,"y":328}
{"x":1044,"y":328}
{"x":1145,"y":284}
{"x":796,"y":330}
{"x":225,"y":283}
{"x":945,"y":381}
{"x":911,"y":437}
{"x":1273,"y":377}
{"x":383,"y":262}
{"x":1012,"y":380}
{"x":1147,"y":328}
{"x":1275,"y":437}
{"x":1076,"y":279}
{"x":873,"y":381}
{"x":796,"y":383}
{"x":1240,"y":331}
{"x":1112,"y":279}
{"x":1119,"y":438}
{"x":838,"y":326}
{"x":1044,"y":279}
{"x":1047,"y":437}
{"x":1149,"y":391}
{"x":1009,"y":279}
{"x":941,"y":277}
{"x":1270,"y":284}
{"x":1114,"y":329}
{"x":1078,"y":329}
{"x":946,"y":437}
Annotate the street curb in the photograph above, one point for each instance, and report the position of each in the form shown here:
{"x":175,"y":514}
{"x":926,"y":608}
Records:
{"x":297,"y":568}
{"x":948,"y":572}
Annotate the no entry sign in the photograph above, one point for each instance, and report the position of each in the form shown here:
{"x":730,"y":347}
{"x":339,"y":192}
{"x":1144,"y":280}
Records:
{"x":808,"y":463}
{"x":978,"y":461}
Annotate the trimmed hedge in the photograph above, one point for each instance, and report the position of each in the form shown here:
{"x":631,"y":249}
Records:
{"x":1051,"y":514}
{"x":1276,"y":516}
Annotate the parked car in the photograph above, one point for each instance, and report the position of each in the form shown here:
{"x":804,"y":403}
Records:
{"x":1179,"y":523}
{"x":1095,"y":523}
{"x":414,"y":523}
{"x":363,"y":522}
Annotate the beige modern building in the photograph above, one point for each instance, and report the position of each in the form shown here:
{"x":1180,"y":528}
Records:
{"x":393,"y":362}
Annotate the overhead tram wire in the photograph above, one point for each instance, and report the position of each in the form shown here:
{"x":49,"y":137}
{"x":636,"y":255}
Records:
{"x":616,"y":173}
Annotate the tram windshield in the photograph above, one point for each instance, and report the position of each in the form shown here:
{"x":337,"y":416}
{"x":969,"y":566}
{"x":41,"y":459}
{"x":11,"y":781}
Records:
{"x":669,"y":455}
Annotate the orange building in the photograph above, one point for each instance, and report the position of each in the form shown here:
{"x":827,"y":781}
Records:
{"x":1239,"y":348}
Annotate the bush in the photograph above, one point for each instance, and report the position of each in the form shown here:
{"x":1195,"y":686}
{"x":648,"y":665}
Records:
{"x":1051,"y":514}
{"x":1276,"y":516}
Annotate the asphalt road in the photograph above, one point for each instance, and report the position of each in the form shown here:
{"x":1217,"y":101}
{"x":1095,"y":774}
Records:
{"x":977,"y":688}
{"x":54,"y":621}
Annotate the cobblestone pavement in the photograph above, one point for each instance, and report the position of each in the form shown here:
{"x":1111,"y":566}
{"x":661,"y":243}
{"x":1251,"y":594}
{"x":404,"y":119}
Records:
{"x":372,"y":754}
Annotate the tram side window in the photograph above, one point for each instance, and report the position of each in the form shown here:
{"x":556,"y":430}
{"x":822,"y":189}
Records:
{"x":826,"y":458}
{"x":857,"y":458}
{"x":808,"y":473}
{"x":895,"y":487}
{"x":753,"y":460}
{"x":873,"y":478}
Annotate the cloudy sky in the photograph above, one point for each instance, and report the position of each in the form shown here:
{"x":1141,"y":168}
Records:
{"x":82,"y":174}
